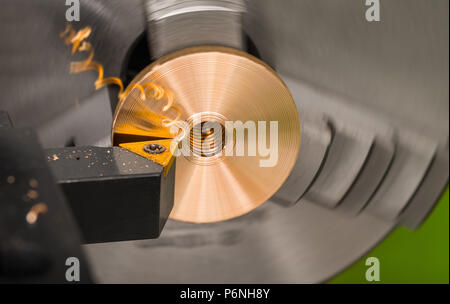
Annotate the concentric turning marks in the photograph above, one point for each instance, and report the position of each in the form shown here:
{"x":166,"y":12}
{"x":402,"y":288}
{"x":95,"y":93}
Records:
{"x":206,"y":137}
{"x":213,"y":87}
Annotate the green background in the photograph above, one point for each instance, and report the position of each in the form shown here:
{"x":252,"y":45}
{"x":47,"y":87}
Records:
{"x":419,"y":256}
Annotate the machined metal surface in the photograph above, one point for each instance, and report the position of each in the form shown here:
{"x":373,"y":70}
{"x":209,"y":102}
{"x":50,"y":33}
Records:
{"x":389,"y":79}
{"x":172,"y":28}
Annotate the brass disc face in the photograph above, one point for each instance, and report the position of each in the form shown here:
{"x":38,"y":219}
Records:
{"x":221,"y":84}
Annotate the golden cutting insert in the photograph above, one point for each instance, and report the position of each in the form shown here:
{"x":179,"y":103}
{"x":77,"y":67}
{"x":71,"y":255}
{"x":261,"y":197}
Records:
{"x":212,"y":86}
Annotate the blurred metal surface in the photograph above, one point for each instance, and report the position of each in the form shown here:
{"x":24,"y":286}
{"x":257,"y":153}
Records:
{"x":315,"y":140}
{"x":388,"y":80}
{"x":305,"y":243}
{"x":64,"y":129}
{"x":393,"y":74}
{"x":347,"y":154}
{"x":398,"y":66}
{"x":38,"y":232}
